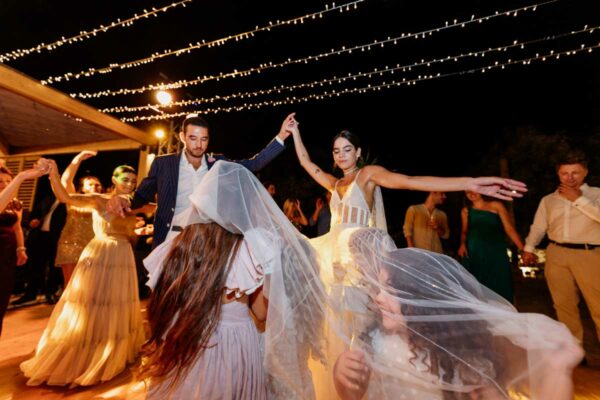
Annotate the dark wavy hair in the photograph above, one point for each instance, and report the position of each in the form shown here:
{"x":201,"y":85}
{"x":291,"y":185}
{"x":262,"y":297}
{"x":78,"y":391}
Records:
{"x":194,"y":120}
{"x":353,"y":138}
{"x":185,"y":307}
{"x":450,"y":344}
{"x":573,"y":157}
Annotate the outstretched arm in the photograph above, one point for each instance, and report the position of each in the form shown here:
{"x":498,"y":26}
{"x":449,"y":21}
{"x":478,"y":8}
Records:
{"x":70,"y":172}
{"x":501,"y":188}
{"x":272,"y":150}
{"x":324,"y":179}
{"x":11,"y":190}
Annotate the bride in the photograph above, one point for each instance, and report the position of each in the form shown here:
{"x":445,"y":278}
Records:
{"x":439,"y":332}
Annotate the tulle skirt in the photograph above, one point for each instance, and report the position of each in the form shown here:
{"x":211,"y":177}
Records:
{"x":96,"y":328}
{"x":232,"y":368}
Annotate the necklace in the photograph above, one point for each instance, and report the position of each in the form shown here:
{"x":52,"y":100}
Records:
{"x":351,"y":171}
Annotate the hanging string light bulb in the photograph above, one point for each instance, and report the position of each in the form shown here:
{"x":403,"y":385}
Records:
{"x":236,"y":73}
{"x":83,"y":35}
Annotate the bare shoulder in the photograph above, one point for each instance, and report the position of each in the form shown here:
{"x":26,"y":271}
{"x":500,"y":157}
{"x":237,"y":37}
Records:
{"x":368,"y":171}
{"x":497,"y":206}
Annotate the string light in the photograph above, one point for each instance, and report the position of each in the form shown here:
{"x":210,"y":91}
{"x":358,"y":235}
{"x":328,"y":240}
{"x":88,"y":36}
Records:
{"x":369,"y":88}
{"x":353,"y":5}
{"x":15,"y":54}
{"x":304,"y":60}
{"x":352,"y":76}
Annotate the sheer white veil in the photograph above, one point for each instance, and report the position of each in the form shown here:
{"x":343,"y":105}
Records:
{"x":378,"y":211}
{"x":455,"y":335}
{"x":231,"y":196}
{"x":461,"y":337}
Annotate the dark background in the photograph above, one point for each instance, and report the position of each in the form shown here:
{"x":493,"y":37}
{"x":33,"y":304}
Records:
{"x":451,"y":126}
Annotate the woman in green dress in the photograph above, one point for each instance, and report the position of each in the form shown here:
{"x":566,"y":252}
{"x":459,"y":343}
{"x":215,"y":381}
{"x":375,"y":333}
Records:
{"x":485,"y":225}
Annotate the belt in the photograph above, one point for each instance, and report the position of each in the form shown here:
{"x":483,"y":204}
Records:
{"x":577,"y":246}
{"x":176,"y":228}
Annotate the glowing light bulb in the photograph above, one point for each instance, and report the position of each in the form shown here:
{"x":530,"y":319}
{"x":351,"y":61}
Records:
{"x":164,"y":97}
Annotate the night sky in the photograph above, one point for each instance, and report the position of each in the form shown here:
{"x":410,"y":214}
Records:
{"x":440,"y":127}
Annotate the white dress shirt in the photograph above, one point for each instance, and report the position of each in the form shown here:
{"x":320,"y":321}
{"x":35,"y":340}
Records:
{"x":189,"y":178}
{"x":565,"y":221}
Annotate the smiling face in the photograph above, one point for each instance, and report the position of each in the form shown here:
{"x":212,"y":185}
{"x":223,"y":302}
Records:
{"x":572,"y":175}
{"x":391,"y":312}
{"x":345,"y":155}
{"x":125,"y":183}
{"x":195,"y":139}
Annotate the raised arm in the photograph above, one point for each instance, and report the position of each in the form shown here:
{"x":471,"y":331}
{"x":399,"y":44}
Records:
{"x":301,"y":217}
{"x":501,"y":188}
{"x":70,"y":172}
{"x":272,"y":150}
{"x":63,"y":196}
{"x":509,"y":228}
{"x":10,"y":191}
{"x":324,"y":179}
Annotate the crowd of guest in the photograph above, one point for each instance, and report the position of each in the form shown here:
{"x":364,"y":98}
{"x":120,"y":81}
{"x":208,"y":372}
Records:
{"x":72,"y":241}
{"x":49,"y":242}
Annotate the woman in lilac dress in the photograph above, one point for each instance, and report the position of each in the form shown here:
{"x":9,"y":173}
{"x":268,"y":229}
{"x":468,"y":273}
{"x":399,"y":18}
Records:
{"x":204,"y":343}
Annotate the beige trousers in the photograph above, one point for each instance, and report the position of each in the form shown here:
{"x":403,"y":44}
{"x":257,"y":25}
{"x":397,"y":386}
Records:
{"x":569,"y":272}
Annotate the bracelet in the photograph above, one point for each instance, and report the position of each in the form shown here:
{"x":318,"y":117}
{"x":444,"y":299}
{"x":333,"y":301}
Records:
{"x":21,"y":248}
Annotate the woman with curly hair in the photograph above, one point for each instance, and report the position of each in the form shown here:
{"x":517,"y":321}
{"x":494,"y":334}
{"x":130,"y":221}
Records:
{"x":439,"y":334}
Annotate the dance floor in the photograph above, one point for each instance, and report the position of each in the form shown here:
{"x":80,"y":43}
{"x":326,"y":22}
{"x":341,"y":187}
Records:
{"x":23,"y":327}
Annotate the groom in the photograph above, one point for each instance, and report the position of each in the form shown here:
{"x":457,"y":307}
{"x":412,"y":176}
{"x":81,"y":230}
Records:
{"x":173,"y":177}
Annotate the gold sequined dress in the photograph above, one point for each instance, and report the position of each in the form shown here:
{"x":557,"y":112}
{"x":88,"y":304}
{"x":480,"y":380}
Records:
{"x":76,"y":234}
{"x":95,"y":329}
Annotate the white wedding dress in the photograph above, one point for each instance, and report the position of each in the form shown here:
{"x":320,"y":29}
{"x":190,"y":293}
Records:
{"x":348,"y":212}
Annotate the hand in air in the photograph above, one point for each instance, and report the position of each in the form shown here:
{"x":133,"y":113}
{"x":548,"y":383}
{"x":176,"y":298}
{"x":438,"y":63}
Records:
{"x":319,"y":204}
{"x":33,"y":173}
{"x":500,"y":188}
{"x":286,"y":126}
{"x":42,"y":166}
{"x":85,"y":155}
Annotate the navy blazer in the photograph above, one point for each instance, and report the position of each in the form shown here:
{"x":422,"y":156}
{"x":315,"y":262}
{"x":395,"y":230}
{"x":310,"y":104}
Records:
{"x":163,"y":178}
